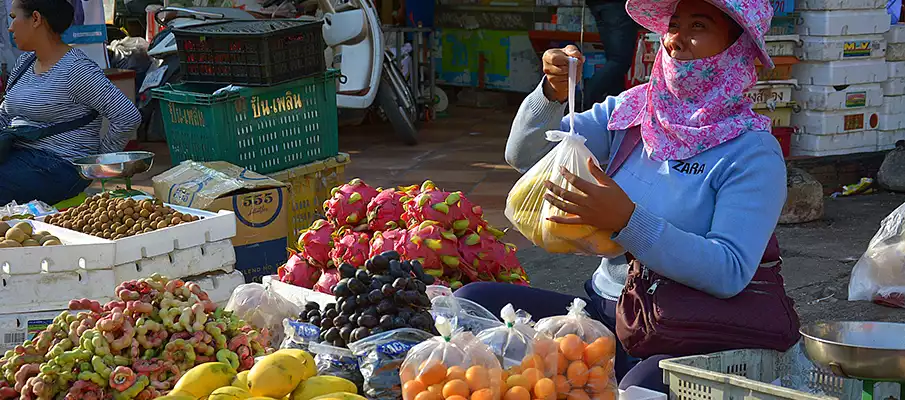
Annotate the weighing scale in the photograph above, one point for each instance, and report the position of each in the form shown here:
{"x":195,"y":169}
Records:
{"x":115,"y":166}
{"x":873,"y":352}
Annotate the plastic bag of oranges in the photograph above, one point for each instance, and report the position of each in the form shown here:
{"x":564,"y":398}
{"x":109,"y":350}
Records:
{"x":529,"y":212}
{"x":452,"y":366}
{"x":514,"y":340}
{"x":573,"y":357}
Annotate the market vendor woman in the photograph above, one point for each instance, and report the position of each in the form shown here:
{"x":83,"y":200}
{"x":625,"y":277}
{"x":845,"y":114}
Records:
{"x":698,"y":192}
{"x":55,"y":86}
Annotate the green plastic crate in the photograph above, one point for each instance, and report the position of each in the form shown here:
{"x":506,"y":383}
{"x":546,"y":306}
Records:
{"x":264,"y":129}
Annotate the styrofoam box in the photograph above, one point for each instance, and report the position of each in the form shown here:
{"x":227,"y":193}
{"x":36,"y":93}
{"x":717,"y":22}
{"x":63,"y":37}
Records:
{"x":843,"y":22}
{"x":891,"y":122}
{"x":834,"y":73}
{"x":836,"y":48}
{"x":836,"y":122}
{"x":771,"y":93}
{"x":895,"y":69}
{"x":828,"y":98}
{"x":208,"y":257}
{"x":782,"y":45}
{"x":52,"y":291}
{"x":814,"y":5}
{"x":16,"y":328}
{"x":896,"y":33}
{"x":219,"y":287}
{"x":894,"y":87}
{"x":827,"y":145}
{"x":886,"y":140}
{"x":893,"y":105}
{"x":79,"y":252}
{"x":895,"y":52}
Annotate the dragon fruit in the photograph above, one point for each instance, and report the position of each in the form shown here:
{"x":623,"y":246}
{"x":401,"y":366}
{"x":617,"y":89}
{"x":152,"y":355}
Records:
{"x":388,"y":240}
{"x":316,"y":243}
{"x":327,"y":281}
{"x":512,"y":270}
{"x":472,"y":212}
{"x":433,"y":204}
{"x":348,"y":204}
{"x":435,"y":247}
{"x":385,"y":210}
{"x":298,"y":272}
{"x":351,"y":247}
{"x":482,"y":255}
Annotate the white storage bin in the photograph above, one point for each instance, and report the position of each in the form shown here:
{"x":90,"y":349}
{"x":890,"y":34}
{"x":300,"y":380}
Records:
{"x":893,"y":105}
{"x":895,"y":69}
{"x":843,"y":22}
{"x":79,"y":252}
{"x":896,"y":33}
{"x":895,"y":52}
{"x":771,"y":93}
{"x":816,"y":5}
{"x":53,"y":291}
{"x":835,"y":122}
{"x":891,"y":122}
{"x":198,"y":260}
{"x":894,"y":87}
{"x":781,"y":45}
{"x":219,"y":287}
{"x":886,"y":140}
{"x":828,"y":98}
{"x":836,"y":48}
{"x":836,"y":73}
{"x":828,"y":145}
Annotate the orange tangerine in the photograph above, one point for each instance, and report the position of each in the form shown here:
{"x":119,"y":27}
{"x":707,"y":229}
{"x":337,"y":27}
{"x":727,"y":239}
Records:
{"x":411,"y":389}
{"x":556,"y":364}
{"x":578,"y":394}
{"x":545,"y":389}
{"x":598,"y":380}
{"x":456,"y":398}
{"x":432,"y":373}
{"x":518,"y":381}
{"x":455,"y":372}
{"x":477,"y":378}
{"x":427,"y":396}
{"x":572,"y":347}
{"x":533,"y":361}
{"x":599,"y":352}
{"x":483,"y":394}
{"x":543,"y":347}
{"x":517,"y":393}
{"x":436,"y":390}
{"x":533,"y":376}
{"x":407,"y":373}
{"x":455,"y":387}
{"x":562,"y":385}
{"x":577,"y":373}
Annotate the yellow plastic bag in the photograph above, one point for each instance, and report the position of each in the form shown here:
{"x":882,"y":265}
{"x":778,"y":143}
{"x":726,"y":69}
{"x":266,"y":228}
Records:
{"x":529,"y":212}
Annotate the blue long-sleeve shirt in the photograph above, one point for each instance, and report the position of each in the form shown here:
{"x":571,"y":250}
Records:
{"x":703,"y":222}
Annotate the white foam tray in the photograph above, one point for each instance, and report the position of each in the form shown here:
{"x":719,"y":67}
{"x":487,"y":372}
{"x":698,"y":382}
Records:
{"x":815,"y":5}
{"x":828,"y":145}
{"x":896,"y":33}
{"x":836,"y":73}
{"x":829,"y":98}
{"x":895,"y":69}
{"x":895,"y":52}
{"x":843,"y":22}
{"x":198,"y":260}
{"x":219,"y":287}
{"x":79,"y":252}
{"x":781,"y":45}
{"x":894,"y":87}
{"x":893,"y":105}
{"x":886,"y":140}
{"x":834,"y":122}
{"x":891,"y":122}
{"x":53,"y":291}
{"x":837,"y":48}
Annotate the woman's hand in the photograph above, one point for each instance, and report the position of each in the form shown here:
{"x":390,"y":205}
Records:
{"x":556,"y":70}
{"x":602,"y":205}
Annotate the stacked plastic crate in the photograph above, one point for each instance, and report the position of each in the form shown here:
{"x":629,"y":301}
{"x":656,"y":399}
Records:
{"x":842,"y":67}
{"x":892,"y":115}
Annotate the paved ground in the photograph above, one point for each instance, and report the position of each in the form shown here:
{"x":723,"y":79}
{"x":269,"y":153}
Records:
{"x":464,"y":151}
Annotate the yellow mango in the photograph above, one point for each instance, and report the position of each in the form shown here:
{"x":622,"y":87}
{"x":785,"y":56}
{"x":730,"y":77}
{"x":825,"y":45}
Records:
{"x":322,"y":385}
{"x":275,"y":376}
{"x":305,"y":357}
{"x":203,"y":379}
{"x":229,"y":393}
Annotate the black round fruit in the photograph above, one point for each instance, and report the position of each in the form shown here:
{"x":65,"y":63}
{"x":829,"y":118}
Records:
{"x":423,"y":300}
{"x":326,"y":323}
{"x":363,"y":276}
{"x":386,"y":322}
{"x":345,"y":332}
{"x":400,"y":283}
{"x":417,"y":268}
{"x":342,"y":289}
{"x":375,"y":296}
{"x":368,"y":321}
{"x":332,"y":334}
{"x":375,"y":284}
{"x":406,"y":266}
{"x":384,"y":278}
{"x":386,"y":307}
{"x":360,"y":333}
{"x":330,"y":306}
{"x":406,"y":312}
{"x":387,"y":289}
{"x":316,"y":321}
{"x":354,"y":318}
{"x":349,"y":306}
{"x":428,"y":279}
{"x":410,"y":296}
{"x":396,"y":269}
{"x":390,"y":255}
{"x":371,"y":310}
{"x":377,"y":330}
{"x":310,"y":306}
{"x":331,"y":313}
{"x":339,"y":343}
{"x":400,"y":322}
{"x":357,"y":286}
{"x":399,"y":298}
{"x":419,"y":321}
{"x":346,"y":270}
{"x":340,"y":320}
{"x":420,"y":286}
{"x":314,"y":313}
{"x":362,"y":300}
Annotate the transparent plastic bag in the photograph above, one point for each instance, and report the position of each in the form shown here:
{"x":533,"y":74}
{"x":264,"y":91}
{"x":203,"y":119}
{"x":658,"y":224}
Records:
{"x":380,"y":357}
{"x":299,"y":335}
{"x":879,"y":274}
{"x":452,"y":364}
{"x":263,"y":308}
{"x":529,"y":212}
{"x":463,"y":313}
{"x":574,"y":355}
{"x":512,"y":342}
{"x":335,"y":361}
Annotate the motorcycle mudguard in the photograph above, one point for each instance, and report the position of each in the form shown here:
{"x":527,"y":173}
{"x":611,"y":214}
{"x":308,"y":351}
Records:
{"x":346,"y":28}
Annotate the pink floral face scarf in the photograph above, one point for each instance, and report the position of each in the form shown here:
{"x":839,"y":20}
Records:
{"x":689,"y":107}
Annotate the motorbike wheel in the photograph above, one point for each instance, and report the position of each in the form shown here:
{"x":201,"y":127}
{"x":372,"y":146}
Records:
{"x":395,"y":110}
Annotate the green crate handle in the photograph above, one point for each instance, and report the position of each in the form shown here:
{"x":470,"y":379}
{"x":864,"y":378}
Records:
{"x":170,"y":93}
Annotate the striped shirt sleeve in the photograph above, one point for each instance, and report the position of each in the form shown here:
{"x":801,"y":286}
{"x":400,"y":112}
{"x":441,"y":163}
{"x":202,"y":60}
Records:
{"x":89,"y":86}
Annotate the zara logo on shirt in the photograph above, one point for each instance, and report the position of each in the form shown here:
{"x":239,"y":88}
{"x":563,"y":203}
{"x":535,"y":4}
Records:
{"x":689,"y":168}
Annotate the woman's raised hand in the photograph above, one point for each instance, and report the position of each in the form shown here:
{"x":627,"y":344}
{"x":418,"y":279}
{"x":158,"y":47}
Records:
{"x":556,"y":70}
{"x":601,"y":204}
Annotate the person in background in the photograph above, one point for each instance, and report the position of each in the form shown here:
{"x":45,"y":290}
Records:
{"x":54,"y":84}
{"x":618,"y":33}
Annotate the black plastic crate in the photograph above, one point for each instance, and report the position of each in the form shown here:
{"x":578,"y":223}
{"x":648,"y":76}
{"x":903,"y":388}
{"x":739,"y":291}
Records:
{"x":251,"y":53}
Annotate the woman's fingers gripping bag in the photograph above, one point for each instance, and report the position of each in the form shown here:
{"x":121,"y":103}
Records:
{"x":452,"y":366}
{"x":530,"y":213}
{"x":576,"y":354}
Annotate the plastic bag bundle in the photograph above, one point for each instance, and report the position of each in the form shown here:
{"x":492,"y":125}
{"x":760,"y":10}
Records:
{"x":335,"y":361}
{"x":573,"y":358}
{"x":451,"y":366}
{"x":463,"y":313}
{"x":263,"y":308}
{"x":529,"y":212}
{"x":512,"y":342}
{"x":879,"y":274}
{"x":299,"y":335}
{"x":380,"y":357}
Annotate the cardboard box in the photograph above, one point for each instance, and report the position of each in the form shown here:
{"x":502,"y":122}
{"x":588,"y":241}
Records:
{"x":261,"y":205}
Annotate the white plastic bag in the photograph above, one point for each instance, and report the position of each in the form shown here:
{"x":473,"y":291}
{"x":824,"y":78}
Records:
{"x":464,"y":314}
{"x":263,"y":308}
{"x":529,"y":212}
{"x":513,"y":342}
{"x":880,"y":273}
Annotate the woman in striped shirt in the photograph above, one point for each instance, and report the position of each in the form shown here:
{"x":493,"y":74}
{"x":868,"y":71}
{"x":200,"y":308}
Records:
{"x":54,"y":83}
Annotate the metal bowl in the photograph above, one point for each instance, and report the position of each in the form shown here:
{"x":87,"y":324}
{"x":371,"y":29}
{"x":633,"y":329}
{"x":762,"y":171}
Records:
{"x":124,"y":164}
{"x":861,"y":350}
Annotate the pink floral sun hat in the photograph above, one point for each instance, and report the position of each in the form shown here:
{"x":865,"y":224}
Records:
{"x":754,"y":16}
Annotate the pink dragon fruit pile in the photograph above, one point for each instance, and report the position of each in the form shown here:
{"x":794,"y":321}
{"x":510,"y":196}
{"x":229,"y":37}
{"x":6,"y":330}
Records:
{"x":443,"y":230}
